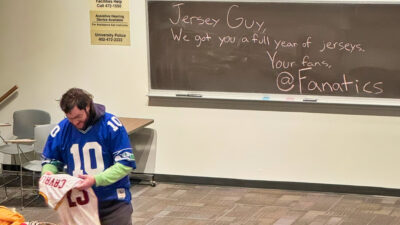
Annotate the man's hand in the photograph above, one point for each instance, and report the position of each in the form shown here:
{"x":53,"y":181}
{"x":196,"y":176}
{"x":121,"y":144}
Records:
{"x":87,"y":182}
{"x":48,"y":173}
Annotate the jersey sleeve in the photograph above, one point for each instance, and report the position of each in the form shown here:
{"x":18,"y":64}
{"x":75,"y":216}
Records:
{"x":112,"y":174}
{"x":52,"y":149}
{"x":119,"y":143}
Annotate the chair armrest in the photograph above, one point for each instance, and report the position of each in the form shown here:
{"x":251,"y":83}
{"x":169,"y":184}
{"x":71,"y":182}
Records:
{"x":20,"y":141}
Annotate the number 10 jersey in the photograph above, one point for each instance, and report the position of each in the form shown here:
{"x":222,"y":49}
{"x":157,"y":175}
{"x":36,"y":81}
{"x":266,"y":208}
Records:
{"x":92,"y":151}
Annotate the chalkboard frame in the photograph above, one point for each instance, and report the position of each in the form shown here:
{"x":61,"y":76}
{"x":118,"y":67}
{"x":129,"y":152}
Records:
{"x":266,"y":97}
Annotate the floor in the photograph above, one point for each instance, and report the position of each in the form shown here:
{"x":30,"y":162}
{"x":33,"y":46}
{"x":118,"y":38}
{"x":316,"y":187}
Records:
{"x":176,"y":204}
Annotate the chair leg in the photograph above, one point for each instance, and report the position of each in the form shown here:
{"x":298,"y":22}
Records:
{"x":21,"y":182}
{"x":23,"y":204}
{"x":5,"y":184}
{"x":5,"y":190}
{"x":30,"y":201}
{"x":23,"y":154}
{"x":21,"y":188}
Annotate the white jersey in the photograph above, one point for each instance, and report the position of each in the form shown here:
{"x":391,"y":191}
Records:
{"x":73,"y":206}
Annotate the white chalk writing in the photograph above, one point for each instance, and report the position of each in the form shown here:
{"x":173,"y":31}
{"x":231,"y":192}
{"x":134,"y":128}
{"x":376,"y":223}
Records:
{"x":292,"y":59}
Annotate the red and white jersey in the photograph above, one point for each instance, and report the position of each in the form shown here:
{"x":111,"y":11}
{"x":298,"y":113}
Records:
{"x":73,"y":206}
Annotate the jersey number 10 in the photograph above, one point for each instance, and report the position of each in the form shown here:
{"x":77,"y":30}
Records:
{"x":114,"y":123}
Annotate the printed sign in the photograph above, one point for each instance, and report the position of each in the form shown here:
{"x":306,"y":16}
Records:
{"x":109,"y":22}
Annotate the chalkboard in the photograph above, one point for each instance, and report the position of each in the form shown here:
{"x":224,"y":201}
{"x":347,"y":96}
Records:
{"x":318,"y":49}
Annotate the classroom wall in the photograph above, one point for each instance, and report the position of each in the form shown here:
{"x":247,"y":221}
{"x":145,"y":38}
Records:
{"x":45,"y":49}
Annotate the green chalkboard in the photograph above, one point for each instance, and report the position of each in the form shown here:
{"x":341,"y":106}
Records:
{"x":323,"y":49}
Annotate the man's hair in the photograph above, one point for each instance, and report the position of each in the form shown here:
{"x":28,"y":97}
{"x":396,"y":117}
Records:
{"x":76,"y":97}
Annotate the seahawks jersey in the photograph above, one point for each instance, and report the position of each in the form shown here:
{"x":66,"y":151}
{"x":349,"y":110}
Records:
{"x":92,"y":151}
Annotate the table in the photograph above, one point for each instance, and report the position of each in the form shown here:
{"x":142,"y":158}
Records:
{"x":20,"y":141}
{"x":132,"y":125}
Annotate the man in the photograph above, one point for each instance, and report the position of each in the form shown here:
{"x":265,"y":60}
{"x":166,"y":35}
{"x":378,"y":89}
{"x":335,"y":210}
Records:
{"x":94,"y":146}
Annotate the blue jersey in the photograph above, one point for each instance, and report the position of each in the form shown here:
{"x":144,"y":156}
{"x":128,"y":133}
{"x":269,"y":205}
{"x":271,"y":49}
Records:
{"x":92,"y":151}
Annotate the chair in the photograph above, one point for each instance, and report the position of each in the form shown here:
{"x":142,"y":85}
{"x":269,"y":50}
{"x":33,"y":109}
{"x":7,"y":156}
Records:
{"x":35,"y":166}
{"x":23,"y":131}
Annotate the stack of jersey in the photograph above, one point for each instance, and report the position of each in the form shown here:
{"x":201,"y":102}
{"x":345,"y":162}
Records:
{"x":74,"y":207}
{"x":10,"y":217}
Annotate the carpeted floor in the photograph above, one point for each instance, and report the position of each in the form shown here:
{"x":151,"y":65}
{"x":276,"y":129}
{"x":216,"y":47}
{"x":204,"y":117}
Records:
{"x":175,"y":204}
